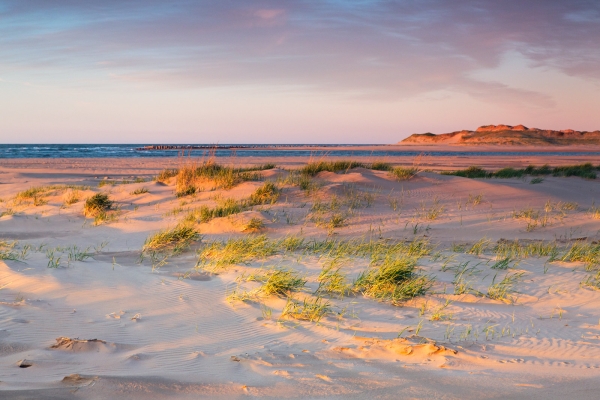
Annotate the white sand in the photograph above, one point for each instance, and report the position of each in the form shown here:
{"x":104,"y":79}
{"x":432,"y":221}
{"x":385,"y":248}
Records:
{"x":187,"y":341}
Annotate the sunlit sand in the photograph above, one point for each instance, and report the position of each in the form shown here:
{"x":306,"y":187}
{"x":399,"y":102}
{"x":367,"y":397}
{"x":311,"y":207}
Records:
{"x":267,"y":282}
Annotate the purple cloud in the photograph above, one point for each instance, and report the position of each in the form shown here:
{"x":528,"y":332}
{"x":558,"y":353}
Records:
{"x":372,"y":49}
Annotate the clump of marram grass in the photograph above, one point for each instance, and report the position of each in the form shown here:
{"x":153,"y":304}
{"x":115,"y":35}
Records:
{"x":587,"y":253}
{"x":393,"y":280}
{"x":295,"y":178}
{"x":503,"y":263}
{"x":139,"y":191}
{"x":517,"y":250}
{"x":190,"y":176}
{"x":278,"y":282}
{"x":592,"y":281}
{"x":536,"y":180}
{"x":587,"y":171}
{"x":404,"y":173}
{"x":503,"y":290}
{"x":470,"y":172}
{"x":431,"y":212}
{"x":268,"y":193}
{"x":97,"y":205}
{"x":312,"y":310}
{"x":7,"y":251}
{"x":594,"y":212}
{"x":327,"y":215}
{"x":306,"y":184}
{"x":71,"y":197}
{"x":235,"y":251}
{"x":479,"y":247}
{"x":275,"y":282}
{"x":474,"y":200}
{"x":254,"y":225}
{"x":36,"y":194}
{"x":246,"y":249}
{"x":313,"y":168}
{"x":224,"y":208}
{"x":166,"y":174}
{"x":381,"y":166}
{"x":333,"y":281}
{"x":32,"y":192}
{"x":174,"y":239}
{"x":185,"y":182}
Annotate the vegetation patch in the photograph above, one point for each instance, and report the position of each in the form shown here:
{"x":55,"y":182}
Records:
{"x":97,"y":207}
{"x":235,"y":251}
{"x":313,"y":168}
{"x":174,"y":239}
{"x":139,"y":191}
{"x":191,"y":176}
{"x":393,"y":280}
{"x":278,"y":282}
{"x":333,"y":281}
{"x":587,"y":171}
{"x":312,"y":310}
{"x":404,"y":173}
{"x":254,"y":225}
{"x":268,"y":193}
{"x":504,"y":289}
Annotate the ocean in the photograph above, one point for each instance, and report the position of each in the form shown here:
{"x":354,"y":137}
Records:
{"x":131,"y":150}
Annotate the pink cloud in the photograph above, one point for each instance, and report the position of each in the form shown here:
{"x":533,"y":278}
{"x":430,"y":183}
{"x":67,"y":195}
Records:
{"x":269,"y":14}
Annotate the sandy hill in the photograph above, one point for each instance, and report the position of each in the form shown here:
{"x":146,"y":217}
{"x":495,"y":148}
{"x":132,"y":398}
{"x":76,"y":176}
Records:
{"x":506,"y":135}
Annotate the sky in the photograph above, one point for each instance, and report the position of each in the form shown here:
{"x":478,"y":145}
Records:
{"x":293,"y":71}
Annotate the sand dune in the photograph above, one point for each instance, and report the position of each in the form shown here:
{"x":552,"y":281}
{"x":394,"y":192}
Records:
{"x":113,"y":324}
{"x":507,"y":135}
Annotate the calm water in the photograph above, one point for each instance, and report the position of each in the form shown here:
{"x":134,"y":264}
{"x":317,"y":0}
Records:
{"x":129,"y":150}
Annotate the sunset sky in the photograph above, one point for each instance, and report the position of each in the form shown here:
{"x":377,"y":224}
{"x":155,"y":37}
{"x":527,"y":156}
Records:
{"x":119,"y":71}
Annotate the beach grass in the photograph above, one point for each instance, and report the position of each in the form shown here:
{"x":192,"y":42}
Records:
{"x":174,"y":240}
{"x":394,"y":280}
{"x":97,"y":205}
{"x":587,"y":171}
{"x":308,"y":309}
{"x":139,"y":191}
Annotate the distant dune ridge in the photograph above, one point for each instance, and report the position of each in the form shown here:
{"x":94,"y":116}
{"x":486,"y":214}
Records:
{"x":506,"y":135}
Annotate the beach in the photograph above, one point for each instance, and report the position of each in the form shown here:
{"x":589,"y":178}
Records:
{"x":508,"y":268}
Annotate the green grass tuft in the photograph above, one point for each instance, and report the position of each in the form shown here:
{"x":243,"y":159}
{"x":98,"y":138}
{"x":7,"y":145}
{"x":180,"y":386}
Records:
{"x":174,"y":239}
{"x":503,"y":290}
{"x":404,"y":173}
{"x":268,"y":193}
{"x":587,"y":171}
{"x":313,"y":168}
{"x":381,"y":166}
{"x":393,"y":280}
{"x":139,"y":191}
{"x":312,"y":310}
{"x":254,"y":225}
{"x":97,"y":205}
{"x":278,"y":282}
